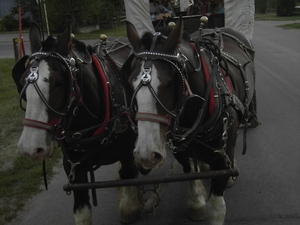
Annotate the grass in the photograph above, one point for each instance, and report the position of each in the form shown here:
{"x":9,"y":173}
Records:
{"x":11,"y":114}
{"x":20,"y":178}
{"x":271,"y":16}
{"x":21,"y":182}
{"x":119,"y":31}
{"x":290,"y":26}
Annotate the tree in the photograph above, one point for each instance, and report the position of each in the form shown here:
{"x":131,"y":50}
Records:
{"x":285,"y":7}
{"x":261,"y":6}
{"x":29,"y":7}
{"x":81,"y":12}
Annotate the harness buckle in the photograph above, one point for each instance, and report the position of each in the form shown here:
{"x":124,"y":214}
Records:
{"x":33,"y":76}
{"x":146,"y":77}
{"x":77,"y":135}
{"x":71,"y":175}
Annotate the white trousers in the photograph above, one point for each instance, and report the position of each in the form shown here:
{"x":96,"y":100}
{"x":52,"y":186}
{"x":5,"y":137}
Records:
{"x":138,"y":13}
{"x":239,"y":15}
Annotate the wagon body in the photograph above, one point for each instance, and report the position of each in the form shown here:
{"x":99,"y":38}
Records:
{"x":238,"y":15}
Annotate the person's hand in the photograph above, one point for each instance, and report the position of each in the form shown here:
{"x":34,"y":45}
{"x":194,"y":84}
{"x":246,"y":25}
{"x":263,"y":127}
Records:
{"x":168,"y":15}
{"x":160,"y":16}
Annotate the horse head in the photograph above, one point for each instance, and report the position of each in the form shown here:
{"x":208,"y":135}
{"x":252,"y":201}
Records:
{"x":45,"y":87}
{"x":159,"y":89}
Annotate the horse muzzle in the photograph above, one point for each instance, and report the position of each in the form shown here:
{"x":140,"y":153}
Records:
{"x":152,"y":160}
{"x":35,"y":145}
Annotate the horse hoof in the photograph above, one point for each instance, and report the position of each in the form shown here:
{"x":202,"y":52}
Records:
{"x":196,"y":215}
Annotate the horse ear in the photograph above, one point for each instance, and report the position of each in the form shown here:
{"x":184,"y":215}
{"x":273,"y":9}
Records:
{"x":175,"y":36}
{"x":64,"y":43}
{"x":133,"y":37}
{"x":35,"y":37}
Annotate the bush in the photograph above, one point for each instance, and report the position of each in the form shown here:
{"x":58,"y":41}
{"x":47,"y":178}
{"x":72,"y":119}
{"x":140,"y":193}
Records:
{"x":1,"y":27}
{"x":9,"y":23}
{"x":285,"y":7}
{"x":261,"y":6}
{"x":82,"y":13}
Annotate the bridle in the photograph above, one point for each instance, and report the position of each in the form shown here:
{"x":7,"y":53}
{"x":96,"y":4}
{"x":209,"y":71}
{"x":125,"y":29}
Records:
{"x":178,"y":61}
{"x":147,"y":58}
{"x":33,"y":77}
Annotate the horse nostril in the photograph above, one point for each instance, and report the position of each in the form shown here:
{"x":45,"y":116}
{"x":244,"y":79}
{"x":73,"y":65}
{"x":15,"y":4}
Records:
{"x":156,"y":156}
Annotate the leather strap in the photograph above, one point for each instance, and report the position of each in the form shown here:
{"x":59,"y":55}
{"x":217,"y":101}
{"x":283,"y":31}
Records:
{"x":153,"y":118}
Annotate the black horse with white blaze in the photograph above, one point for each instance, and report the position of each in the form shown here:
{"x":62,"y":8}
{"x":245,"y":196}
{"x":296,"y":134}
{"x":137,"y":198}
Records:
{"x":74,"y":96}
{"x":192,"y":96}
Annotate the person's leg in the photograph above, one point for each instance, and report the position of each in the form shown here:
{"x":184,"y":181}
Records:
{"x":138,"y":13}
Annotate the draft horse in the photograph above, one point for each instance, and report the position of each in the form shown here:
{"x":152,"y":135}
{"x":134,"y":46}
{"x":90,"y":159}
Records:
{"x":192,"y":97}
{"x":74,"y":96}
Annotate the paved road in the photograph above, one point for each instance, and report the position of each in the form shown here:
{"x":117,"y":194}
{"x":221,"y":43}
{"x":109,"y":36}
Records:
{"x":267,"y":190}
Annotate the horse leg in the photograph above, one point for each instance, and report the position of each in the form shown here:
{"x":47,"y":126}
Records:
{"x":196,"y":191}
{"x":216,"y":207}
{"x":130,"y":205}
{"x":82,"y":208}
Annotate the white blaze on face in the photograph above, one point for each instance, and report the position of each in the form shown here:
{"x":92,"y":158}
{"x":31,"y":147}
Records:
{"x":36,"y":143}
{"x":149,"y":139}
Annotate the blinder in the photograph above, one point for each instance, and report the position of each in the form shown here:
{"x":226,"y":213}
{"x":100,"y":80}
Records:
{"x":18,"y":70}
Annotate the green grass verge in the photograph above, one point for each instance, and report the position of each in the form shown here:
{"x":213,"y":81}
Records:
{"x":21,"y":182}
{"x":119,"y":31}
{"x":271,"y":16}
{"x":10,"y":113}
{"x":290,"y":26}
{"x":20,"y":178}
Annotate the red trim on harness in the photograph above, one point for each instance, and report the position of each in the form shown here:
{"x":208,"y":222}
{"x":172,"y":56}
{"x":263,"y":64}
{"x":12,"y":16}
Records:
{"x":227,"y":81}
{"x":106,"y":94}
{"x":211,"y":105}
